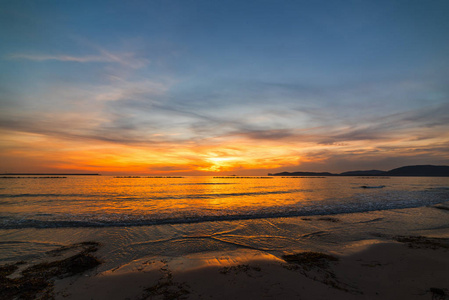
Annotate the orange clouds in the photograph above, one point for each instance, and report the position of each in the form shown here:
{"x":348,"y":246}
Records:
{"x":134,"y":150}
{"x":48,"y":153}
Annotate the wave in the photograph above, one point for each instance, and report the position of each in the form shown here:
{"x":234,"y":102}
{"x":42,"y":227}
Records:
{"x":109,"y":197}
{"x":45,"y":195}
{"x":150,"y":220}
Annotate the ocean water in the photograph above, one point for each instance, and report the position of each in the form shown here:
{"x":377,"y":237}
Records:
{"x":140,"y":217}
{"x":98,"y":201}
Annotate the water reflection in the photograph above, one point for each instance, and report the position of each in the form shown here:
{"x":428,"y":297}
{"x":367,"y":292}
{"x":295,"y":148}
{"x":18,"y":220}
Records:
{"x":97,"y":201}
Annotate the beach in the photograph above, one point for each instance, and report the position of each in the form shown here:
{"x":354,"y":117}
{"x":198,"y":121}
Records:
{"x":381,"y":271}
{"x":173,"y":149}
{"x":391,"y":254}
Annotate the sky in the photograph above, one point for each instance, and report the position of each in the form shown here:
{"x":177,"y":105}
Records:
{"x":222,"y":87}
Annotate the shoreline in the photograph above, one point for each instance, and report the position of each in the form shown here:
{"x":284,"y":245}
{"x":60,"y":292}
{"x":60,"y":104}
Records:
{"x":207,"y":219}
{"x":393,"y":254}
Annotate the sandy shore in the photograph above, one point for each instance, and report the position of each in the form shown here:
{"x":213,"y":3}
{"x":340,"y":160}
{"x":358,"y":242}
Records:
{"x":387,"y":255}
{"x":416,"y":268}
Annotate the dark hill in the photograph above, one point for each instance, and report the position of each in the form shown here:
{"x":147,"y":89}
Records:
{"x":423,"y":170}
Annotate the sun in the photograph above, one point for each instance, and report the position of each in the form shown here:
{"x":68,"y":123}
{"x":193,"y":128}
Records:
{"x":219,"y":164}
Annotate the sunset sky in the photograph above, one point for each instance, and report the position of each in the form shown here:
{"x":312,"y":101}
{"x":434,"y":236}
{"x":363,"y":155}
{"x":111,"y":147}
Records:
{"x":223,"y":87}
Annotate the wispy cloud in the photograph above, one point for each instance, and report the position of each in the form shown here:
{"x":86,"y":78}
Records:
{"x":126,"y":59}
{"x":68,"y":58}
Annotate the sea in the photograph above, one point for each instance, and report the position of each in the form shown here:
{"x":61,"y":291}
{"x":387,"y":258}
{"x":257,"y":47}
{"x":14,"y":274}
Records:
{"x":135,"y":216}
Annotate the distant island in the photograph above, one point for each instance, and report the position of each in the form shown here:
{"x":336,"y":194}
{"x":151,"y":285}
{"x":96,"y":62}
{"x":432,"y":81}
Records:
{"x":421,"y":171}
{"x":51,"y":174}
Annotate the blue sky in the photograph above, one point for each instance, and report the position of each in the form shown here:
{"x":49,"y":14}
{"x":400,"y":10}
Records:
{"x":192,"y":87}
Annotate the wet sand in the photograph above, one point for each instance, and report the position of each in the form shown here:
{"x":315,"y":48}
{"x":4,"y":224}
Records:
{"x":397,"y":254}
{"x":376,"y":270}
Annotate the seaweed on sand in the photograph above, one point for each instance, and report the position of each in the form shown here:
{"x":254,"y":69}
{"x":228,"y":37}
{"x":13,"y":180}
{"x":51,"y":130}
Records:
{"x":316,"y":266}
{"x":247,"y":269}
{"x":166,"y":287}
{"x":88,"y":246}
{"x":37,"y":281}
{"x":437,"y":293}
{"x":423,"y":242}
{"x":9,"y":269}
{"x":310,"y":260}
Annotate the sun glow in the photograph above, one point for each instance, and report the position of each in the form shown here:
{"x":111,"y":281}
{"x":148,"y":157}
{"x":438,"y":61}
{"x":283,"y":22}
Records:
{"x":220,"y":164}
{"x":29,"y":152}
{"x":60,"y":155}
